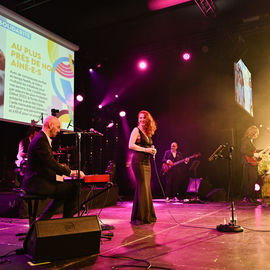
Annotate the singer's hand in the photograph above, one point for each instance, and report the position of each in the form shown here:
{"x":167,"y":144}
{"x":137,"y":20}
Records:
{"x":151,"y":150}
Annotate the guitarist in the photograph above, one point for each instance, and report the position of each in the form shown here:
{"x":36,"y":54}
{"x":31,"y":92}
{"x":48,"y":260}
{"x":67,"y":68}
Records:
{"x":249,"y":160}
{"x":174,"y":176}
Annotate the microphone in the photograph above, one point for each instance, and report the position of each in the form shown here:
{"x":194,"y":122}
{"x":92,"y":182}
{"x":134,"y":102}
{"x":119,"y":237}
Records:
{"x":213,"y":156}
{"x":69,"y":124}
{"x":154,"y":156}
{"x":91,"y":130}
{"x":42,"y":117}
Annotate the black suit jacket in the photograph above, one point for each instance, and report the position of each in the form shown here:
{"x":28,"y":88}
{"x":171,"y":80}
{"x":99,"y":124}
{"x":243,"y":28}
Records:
{"x":41,"y":170}
{"x":168,"y":155}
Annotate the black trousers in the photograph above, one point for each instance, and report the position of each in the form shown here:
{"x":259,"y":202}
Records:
{"x":66,"y":194}
{"x":250,"y":177}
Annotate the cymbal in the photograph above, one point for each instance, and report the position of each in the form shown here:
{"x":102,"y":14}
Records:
{"x":58,"y":154}
{"x":67,"y":148}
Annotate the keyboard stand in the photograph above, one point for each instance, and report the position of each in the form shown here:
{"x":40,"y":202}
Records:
{"x":107,"y":187}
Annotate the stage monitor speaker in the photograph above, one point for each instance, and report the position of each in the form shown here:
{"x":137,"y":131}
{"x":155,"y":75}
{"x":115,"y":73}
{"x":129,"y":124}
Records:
{"x":59,"y":239}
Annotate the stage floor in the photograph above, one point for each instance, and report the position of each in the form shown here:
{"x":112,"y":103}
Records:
{"x":184,"y":237}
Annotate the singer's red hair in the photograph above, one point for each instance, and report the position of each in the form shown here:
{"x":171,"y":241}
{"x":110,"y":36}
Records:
{"x":150,"y":126}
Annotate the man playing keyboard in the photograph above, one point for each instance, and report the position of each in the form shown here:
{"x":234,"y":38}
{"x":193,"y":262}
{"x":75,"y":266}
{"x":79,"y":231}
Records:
{"x":41,"y":171}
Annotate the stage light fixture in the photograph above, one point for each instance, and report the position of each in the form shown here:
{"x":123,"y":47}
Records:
{"x":186,"y":56}
{"x":122,"y":114}
{"x":79,"y":98}
{"x":116,"y":96}
{"x":257,"y":187}
{"x":111,"y":124}
{"x":142,"y":65}
{"x":100,"y":106}
{"x":91,"y":70}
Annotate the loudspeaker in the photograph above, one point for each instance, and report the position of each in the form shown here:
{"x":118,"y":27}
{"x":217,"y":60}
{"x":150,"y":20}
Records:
{"x":58,"y":239}
{"x":205,"y":188}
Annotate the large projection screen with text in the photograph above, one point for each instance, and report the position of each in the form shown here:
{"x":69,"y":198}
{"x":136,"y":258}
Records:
{"x":36,"y":73}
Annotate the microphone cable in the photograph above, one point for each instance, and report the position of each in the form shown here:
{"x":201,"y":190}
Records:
{"x":168,"y":208}
{"x":163,"y":192}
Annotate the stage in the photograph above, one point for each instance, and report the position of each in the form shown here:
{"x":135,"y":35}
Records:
{"x":184,"y":237}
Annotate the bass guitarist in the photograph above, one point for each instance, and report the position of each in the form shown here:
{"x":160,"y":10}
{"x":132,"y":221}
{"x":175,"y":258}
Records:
{"x":174,"y":175}
{"x":250,"y":158}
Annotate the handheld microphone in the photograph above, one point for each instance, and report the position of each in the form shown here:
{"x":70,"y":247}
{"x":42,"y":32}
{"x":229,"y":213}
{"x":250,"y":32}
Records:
{"x":42,"y":117}
{"x":154,"y":156}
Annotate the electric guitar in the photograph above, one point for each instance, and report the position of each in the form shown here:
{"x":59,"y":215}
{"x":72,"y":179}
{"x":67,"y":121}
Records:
{"x":166,"y":167}
{"x":255,"y":161}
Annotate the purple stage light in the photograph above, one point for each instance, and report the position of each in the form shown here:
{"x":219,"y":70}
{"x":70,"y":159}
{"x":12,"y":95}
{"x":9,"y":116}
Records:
{"x":111,"y":124}
{"x":79,"y":98}
{"x":91,"y":70}
{"x":142,"y":65}
{"x":116,"y":96}
{"x":100,"y":106}
{"x":122,"y":113}
{"x":186,"y":56}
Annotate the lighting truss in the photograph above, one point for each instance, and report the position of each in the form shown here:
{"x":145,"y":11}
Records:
{"x":207,"y":7}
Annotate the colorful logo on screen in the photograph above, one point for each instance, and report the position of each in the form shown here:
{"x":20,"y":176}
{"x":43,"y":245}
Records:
{"x":62,"y":82}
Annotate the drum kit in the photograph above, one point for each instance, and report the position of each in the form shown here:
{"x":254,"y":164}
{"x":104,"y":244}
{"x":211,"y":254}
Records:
{"x":64,"y":154}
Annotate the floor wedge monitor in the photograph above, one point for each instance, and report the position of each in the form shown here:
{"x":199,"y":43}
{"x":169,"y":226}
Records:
{"x":59,"y":239}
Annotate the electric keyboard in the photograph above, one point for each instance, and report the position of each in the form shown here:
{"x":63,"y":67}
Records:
{"x":91,"y":179}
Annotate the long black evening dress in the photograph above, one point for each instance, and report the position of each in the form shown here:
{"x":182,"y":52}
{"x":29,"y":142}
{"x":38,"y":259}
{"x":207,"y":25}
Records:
{"x":143,"y":210}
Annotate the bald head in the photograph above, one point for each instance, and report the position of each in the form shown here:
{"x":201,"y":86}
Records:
{"x":51,"y":126}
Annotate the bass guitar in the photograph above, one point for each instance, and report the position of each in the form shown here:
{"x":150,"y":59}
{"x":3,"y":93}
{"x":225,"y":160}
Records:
{"x":166,"y":167}
{"x":254,"y":161}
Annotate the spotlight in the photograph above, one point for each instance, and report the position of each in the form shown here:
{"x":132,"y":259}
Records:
{"x":100,"y":106}
{"x":116,"y":96}
{"x":122,"y":113}
{"x":99,"y":66}
{"x":91,"y":70}
{"x":142,"y":65}
{"x":257,"y":187}
{"x":111,"y":124}
{"x":79,"y":98}
{"x":186,"y":56}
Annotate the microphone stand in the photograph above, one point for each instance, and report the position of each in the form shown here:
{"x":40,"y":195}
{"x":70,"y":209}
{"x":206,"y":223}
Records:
{"x":231,"y":226}
{"x":78,"y":164}
{"x":78,"y":158}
